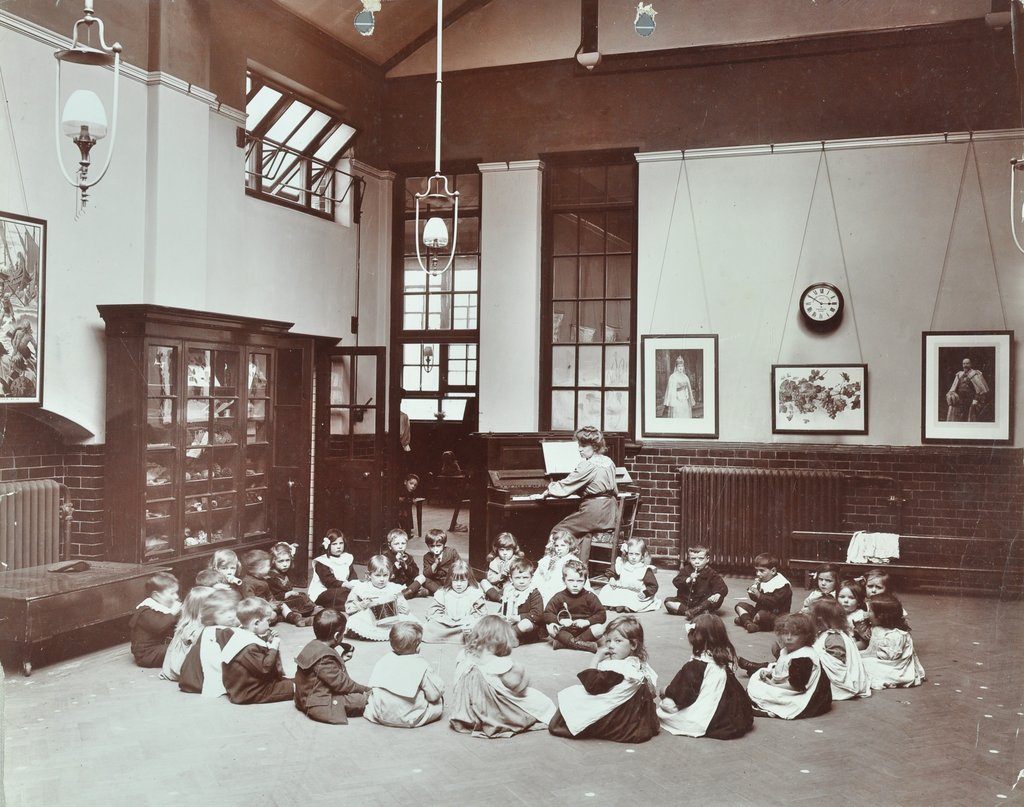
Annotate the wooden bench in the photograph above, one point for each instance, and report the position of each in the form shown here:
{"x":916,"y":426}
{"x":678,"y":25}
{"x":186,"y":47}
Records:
{"x":992,"y":564}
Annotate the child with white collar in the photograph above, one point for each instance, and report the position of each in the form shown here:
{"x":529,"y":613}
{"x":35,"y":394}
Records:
{"x":251,"y":657}
{"x":771,"y":593}
{"x":152,"y":624}
{"x":631,"y":584}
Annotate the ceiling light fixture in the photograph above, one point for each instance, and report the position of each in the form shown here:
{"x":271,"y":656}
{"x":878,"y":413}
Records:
{"x":84,"y":119}
{"x":435,"y":231}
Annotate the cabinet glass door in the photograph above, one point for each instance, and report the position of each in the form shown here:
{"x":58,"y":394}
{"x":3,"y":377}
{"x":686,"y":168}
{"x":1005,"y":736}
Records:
{"x":160,"y":530}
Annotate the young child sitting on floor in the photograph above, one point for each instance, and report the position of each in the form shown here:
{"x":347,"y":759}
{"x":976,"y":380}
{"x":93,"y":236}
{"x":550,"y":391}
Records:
{"x":202,"y":670}
{"x":212,"y":579}
{"x":615,"y":697}
{"x":705,"y":699}
{"x":889,"y":658}
{"x":492,"y":696}
{"x":296,"y":606}
{"x":826,"y":584}
{"x":456,"y":607}
{"x":404,"y":691}
{"x":699,"y":588}
{"x":795,"y":686}
{"x":256,"y":563}
{"x":771,"y":594}
{"x":190,"y":625}
{"x":560,"y":549}
{"x":376,"y":603}
{"x":324,"y":691}
{"x":403,"y":567}
{"x":226,"y":562}
{"x":437,"y":562}
{"x":574,"y":616}
{"x":838,"y":652}
{"x":333,"y":572}
{"x":406,"y":502}
{"x":852,"y":598}
{"x":499,"y":560}
{"x":251,"y":657}
{"x":152,"y":624}
{"x":631,"y":582}
{"x":520,"y":603}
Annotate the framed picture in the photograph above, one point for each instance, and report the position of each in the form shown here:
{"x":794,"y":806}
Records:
{"x":967,"y":387}
{"x":819,"y":399}
{"x":680,"y":386}
{"x":22,"y":274}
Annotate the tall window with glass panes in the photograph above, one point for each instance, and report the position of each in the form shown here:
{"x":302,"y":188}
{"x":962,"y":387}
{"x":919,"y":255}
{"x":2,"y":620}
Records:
{"x":589,"y":277}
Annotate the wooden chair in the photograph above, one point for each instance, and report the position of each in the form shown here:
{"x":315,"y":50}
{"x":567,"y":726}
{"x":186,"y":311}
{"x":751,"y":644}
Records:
{"x":604,"y":546}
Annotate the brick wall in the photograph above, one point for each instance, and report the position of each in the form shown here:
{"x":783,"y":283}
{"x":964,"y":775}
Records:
{"x":33,"y":450}
{"x":949,"y":490}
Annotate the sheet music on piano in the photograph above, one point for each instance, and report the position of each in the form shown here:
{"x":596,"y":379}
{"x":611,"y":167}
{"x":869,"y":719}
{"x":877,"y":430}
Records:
{"x":560,"y":457}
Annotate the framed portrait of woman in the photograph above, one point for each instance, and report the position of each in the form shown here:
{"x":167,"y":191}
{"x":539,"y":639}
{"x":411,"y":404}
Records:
{"x":680,"y":385}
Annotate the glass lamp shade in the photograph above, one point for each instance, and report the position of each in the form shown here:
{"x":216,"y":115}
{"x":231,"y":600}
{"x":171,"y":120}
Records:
{"x":84,"y":110}
{"x":435,"y":233}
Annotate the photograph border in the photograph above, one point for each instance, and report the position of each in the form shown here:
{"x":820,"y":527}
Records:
{"x":650,"y":426}
{"x":782,"y":429}
{"x":934,"y":429}
{"x":15,"y":218}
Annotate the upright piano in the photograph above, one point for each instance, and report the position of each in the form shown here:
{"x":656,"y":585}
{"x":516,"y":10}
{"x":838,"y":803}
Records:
{"x":507,"y":470}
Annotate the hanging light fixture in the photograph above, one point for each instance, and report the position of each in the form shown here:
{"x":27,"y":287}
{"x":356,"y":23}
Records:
{"x":84,"y":119}
{"x":435,"y":231}
{"x":428,"y":358}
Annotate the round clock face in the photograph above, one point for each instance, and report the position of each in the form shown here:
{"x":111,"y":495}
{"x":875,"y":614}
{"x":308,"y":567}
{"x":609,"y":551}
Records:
{"x":821,"y":305}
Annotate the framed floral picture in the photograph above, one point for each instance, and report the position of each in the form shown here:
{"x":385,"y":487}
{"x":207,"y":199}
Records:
{"x":967,"y":387}
{"x":22,"y":272}
{"x":819,"y":399}
{"x":680,"y":386}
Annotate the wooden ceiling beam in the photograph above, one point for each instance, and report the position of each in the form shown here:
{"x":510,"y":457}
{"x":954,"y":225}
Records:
{"x":408,"y":50}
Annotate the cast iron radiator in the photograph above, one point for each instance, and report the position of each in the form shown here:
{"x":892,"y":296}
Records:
{"x":29,"y":523}
{"x":740,"y":512}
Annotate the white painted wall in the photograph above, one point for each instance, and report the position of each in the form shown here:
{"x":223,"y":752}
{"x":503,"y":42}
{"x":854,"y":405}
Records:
{"x":169,"y":225}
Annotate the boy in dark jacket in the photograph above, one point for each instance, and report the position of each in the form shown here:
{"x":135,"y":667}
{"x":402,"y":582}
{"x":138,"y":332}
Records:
{"x":324,"y":691}
{"x":575,"y":617}
{"x":152,"y":624}
{"x":252,"y":660}
{"x":771,"y":593}
{"x":699,"y":588}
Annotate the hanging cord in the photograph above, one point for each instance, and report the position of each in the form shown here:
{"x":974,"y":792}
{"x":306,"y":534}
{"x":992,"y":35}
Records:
{"x":988,"y":231}
{"x":664,"y":249}
{"x":949,"y":239}
{"x":14,"y":142}
{"x":696,"y":245}
{"x":800,"y":254}
{"x":842,"y":254}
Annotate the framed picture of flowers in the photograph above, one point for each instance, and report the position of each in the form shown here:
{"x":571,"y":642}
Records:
{"x":819,"y":399}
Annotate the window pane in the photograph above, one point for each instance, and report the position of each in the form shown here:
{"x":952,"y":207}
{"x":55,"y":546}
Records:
{"x":592,"y":184}
{"x":563,"y":409}
{"x":454,"y":409}
{"x":616,"y":366}
{"x":620,"y":275}
{"x":592,"y":233}
{"x":620,"y":232}
{"x":565,"y":234}
{"x":469,"y":235}
{"x":616,"y":411}
{"x":564,"y":186}
{"x":468,"y":186}
{"x":563,"y":366}
{"x":312,"y":126}
{"x":566,"y":277}
{"x":621,"y":184}
{"x":466,"y":273}
{"x":420,"y":408}
{"x":289,"y":120}
{"x":589,"y":411}
{"x":334,"y":145}
{"x":413,"y":185}
{"x":563,"y":322}
{"x":590,"y":366}
{"x":259,"y":106}
{"x":591,"y":322}
{"x":592,"y":277}
{"x":616,"y":323}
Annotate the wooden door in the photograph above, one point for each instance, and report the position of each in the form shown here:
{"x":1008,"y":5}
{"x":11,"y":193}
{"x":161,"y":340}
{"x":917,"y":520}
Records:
{"x":349,"y":485}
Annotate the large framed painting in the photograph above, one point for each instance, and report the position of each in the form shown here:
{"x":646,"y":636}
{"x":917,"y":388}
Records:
{"x":967,"y":387}
{"x":819,"y":399}
{"x":22,"y":274}
{"x":680,"y":385}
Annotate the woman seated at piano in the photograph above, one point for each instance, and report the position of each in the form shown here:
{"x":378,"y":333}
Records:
{"x":593,"y":480}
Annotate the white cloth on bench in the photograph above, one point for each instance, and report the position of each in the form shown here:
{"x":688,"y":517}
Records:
{"x":873,"y":547}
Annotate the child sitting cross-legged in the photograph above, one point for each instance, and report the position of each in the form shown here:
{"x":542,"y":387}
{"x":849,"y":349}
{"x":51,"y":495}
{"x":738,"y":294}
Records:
{"x":189,"y":626}
{"x":492,"y":696}
{"x":403,"y":567}
{"x":324,"y":691}
{"x":889,"y":658}
{"x":152,"y":624}
{"x":574,"y":616}
{"x":437,"y":562}
{"x":838,"y":652}
{"x":404,"y":691}
{"x":226,"y":562}
{"x":376,"y":603}
{"x":826,"y":584}
{"x":560,"y":549}
{"x":499,"y":560}
{"x":615,"y":697}
{"x":456,"y":607}
{"x":705,"y":699}
{"x":256,"y":564}
{"x":202,"y":670}
{"x":631,"y":582}
{"x":699,"y":588}
{"x":251,"y":657}
{"x":795,"y":686}
{"x":295,"y":606}
{"x":520,"y":603}
{"x":771,"y":593}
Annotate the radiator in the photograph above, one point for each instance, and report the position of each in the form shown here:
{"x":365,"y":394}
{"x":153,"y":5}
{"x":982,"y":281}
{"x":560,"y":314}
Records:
{"x":29,"y":523}
{"x":741,"y":512}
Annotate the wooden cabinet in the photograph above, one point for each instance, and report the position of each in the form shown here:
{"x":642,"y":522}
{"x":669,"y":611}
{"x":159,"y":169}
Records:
{"x":196,"y":458}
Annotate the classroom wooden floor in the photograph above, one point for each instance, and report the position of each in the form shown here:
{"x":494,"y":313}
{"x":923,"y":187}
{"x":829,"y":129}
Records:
{"x":92,"y":729}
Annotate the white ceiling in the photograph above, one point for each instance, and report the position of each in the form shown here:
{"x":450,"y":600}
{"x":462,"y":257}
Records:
{"x":497,"y":32}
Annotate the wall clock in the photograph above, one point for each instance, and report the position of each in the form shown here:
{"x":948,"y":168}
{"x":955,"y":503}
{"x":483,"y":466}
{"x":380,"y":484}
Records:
{"x":821,"y":306}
